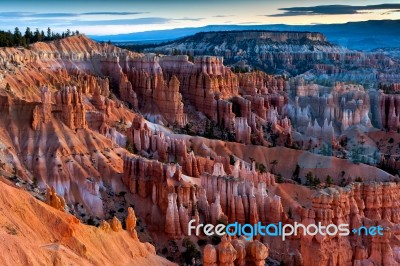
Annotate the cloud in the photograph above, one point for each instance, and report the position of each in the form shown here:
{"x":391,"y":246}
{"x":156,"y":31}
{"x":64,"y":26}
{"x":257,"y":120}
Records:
{"x":332,"y":10}
{"x":114,"y":13}
{"x":14,"y":14}
{"x":248,"y":22}
{"x":52,"y":15}
{"x":33,"y":15}
{"x":188,"y":19}
{"x":76,"y":20}
{"x":390,"y":12}
{"x":222,"y":16}
{"x":133,"y":21}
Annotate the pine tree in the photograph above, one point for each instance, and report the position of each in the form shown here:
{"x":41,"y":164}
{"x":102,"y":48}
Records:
{"x":290,"y":214}
{"x":328,"y":180}
{"x":49,"y":34}
{"x":28,"y":35}
{"x":36,"y":35}
{"x":17,"y":36}
{"x":309,"y":179}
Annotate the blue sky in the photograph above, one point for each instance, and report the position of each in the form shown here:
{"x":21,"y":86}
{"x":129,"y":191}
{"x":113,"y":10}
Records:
{"x":125,"y":16}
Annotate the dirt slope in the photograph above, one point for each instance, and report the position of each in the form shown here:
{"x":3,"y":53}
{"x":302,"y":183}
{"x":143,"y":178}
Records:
{"x":33,"y":233}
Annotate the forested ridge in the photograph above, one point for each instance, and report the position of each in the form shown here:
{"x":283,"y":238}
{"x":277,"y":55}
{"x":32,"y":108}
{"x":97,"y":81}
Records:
{"x":17,"y":38}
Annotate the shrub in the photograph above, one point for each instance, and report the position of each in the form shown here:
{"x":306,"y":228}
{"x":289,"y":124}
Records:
{"x":231,"y":159}
{"x":202,"y":242}
{"x":131,"y":147}
{"x":215,"y":240}
{"x":279,"y":178}
{"x":296,"y":174}
{"x":311,"y":180}
{"x":290,"y":214}
{"x":190,"y":252}
{"x":261,"y":168}
{"x":90,"y":221}
{"x":328,"y":180}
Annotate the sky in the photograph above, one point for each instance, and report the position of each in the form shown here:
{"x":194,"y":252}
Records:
{"x":126,"y":16}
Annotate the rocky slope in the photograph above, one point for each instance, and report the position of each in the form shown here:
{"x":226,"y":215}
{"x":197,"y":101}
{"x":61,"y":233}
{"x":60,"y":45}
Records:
{"x":34,"y":233}
{"x":294,"y":52}
{"x":288,"y":53}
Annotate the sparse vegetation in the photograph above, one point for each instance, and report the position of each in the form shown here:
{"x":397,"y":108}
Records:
{"x":311,"y":180}
{"x":290,"y":214}
{"x":261,"y":167}
{"x":90,"y":221}
{"x":279,"y":178}
{"x":231,"y":159}
{"x":209,"y":129}
{"x":238,"y":69}
{"x":11,"y":230}
{"x":190,"y":252}
{"x":164,"y":251}
{"x":296,"y":174}
{"x":215,"y":240}
{"x":130,"y":147}
{"x":8,"y":87}
{"x":187,"y":129}
{"x":2,"y":165}
{"x":358,"y":179}
{"x":328,"y":180}
{"x":202,"y":242}
{"x":273,"y":165}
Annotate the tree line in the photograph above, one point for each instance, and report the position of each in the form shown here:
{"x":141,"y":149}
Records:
{"x":17,"y":38}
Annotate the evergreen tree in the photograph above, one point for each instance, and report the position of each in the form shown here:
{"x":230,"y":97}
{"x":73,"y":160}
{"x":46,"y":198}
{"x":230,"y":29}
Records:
{"x":28,"y":35}
{"x":309,"y":179}
{"x":36,"y":36}
{"x":290,"y":214}
{"x":17,"y":36}
{"x":328,"y":180}
{"x":49,"y":35}
{"x":273,"y":165}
